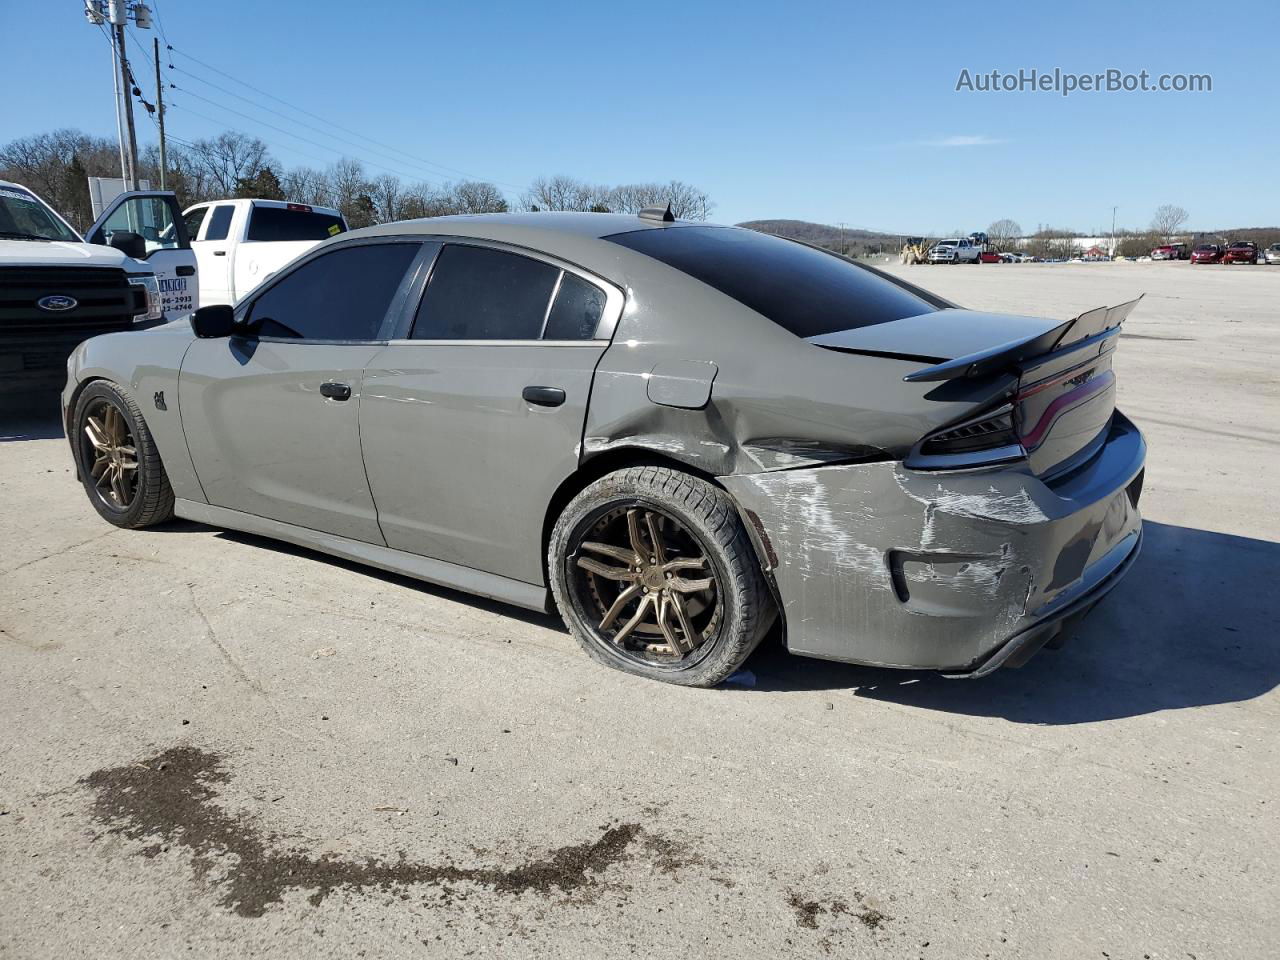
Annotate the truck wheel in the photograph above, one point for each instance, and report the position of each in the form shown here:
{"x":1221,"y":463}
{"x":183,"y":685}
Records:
{"x":655,"y":575}
{"x":118,"y":461}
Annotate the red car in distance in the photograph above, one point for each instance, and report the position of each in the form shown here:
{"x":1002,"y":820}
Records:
{"x":1243,"y":251}
{"x":1207,"y":253}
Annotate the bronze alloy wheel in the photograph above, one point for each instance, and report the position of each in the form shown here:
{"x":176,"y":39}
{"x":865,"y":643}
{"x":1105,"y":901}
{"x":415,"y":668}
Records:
{"x":110,"y":454}
{"x":645,"y":585}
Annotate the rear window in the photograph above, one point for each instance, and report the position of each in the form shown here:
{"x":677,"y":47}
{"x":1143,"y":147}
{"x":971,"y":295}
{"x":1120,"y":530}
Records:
{"x":806,"y":291}
{"x":279,"y":223}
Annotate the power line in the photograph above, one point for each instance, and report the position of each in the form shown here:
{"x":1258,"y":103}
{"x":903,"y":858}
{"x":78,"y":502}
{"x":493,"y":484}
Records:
{"x":285,"y":116}
{"x":159,"y":22}
{"x":287,"y":133}
{"x":325,"y":120}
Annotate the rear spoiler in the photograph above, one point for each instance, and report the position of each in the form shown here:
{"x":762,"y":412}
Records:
{"x":1094,"y":325}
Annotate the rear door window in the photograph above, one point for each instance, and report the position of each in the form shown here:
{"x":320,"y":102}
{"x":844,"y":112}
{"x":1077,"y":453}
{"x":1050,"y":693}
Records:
{"x":478,"y":293}
{"x":576,"y":312}
{"x":342,"y":295}
{"x":806,"y":291}
{"x":282,"y":224}
{"x":219,"y":222}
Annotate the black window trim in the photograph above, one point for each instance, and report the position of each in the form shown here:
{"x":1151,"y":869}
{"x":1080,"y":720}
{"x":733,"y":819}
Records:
{"x":615,"y":299}
{"x":417,"y":270}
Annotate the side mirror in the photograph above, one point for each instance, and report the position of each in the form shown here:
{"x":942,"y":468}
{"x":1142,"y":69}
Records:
{"x":129,"y":243}
{"x":213,"y":321}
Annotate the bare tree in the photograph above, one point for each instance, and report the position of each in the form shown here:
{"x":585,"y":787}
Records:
{"x":229,"y":158}
{"x":1004,"y":233}
{"x":57,"y":165}
{"x":1168,"y":220}
{"x":387,"y":193}
{"x":476,"y":196}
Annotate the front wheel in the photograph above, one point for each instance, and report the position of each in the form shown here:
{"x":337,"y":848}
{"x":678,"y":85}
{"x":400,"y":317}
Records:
{"x":655,"y":575}
{"x":118,"y":461}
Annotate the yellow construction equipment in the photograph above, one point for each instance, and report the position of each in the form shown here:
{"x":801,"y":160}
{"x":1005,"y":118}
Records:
{"x":915,"y":250}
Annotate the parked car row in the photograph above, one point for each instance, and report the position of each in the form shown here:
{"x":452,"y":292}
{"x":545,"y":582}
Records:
{"x":1243,"y":251}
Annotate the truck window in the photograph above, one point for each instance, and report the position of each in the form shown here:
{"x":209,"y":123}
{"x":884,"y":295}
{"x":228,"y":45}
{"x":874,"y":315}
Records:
{"x":219,"y":223}
{"x":279,"y":223}
{"x":150,"y":217}
{"x":23,"y":216}
{"x":193,"y":220}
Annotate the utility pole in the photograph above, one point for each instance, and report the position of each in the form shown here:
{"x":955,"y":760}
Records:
{"x":841,"y":225}
{"x":117,"y":13}
{"x":1113,"y":231}
{"x":164,"y":166}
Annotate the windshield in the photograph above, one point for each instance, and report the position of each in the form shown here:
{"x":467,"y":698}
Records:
{"x":948,"y":243}
{"x":1206,"y":248}
{"x":24,"y":217}
{"x":806,"y":291}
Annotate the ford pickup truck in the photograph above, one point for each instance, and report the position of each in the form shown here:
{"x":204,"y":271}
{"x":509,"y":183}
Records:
{"x":56,"y":289}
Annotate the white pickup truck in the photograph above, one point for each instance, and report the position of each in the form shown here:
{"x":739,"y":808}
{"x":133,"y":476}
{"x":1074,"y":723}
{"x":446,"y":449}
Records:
{"x":956,"y":250}
{"x":56,"y":289}
{"x":239,"y":243}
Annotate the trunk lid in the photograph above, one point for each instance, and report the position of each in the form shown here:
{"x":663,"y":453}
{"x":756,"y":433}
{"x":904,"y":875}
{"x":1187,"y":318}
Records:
{"x":1064,"y":393}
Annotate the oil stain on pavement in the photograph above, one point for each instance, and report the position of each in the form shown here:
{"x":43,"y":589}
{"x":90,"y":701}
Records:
{"x":173,"y":797}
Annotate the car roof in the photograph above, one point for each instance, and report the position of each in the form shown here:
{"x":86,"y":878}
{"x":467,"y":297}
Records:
{"x":493,"y":225}
{"x":578,"y":238}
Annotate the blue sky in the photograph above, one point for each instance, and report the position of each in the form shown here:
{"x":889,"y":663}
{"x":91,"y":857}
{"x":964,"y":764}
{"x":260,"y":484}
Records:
{"x":830,"y":112}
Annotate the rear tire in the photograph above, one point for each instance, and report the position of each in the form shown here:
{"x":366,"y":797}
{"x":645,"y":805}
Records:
{"x":644,"y":614}
{"x":119,"y":464}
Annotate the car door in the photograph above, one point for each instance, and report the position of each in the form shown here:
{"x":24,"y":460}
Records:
{"x":153,"y":215}
{"x":473,"y":418}
{"x":271,"y":414}
{"x":213,"y":253}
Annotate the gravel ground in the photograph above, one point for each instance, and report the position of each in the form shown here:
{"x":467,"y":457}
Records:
{"x":218,"y":746}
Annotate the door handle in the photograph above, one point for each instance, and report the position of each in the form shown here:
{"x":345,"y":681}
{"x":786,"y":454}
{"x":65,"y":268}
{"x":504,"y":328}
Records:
{"x":219,"y":253}
{"x":336,"y":391}
{"x":543,"y":396}
{"x":185,"y":271}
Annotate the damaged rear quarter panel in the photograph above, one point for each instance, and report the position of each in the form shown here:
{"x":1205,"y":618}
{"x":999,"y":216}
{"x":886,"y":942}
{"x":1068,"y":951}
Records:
{"x":883,"y":565}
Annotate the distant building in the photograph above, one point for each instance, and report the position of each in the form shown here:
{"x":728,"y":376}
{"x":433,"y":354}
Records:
{"x":1096,"y":253}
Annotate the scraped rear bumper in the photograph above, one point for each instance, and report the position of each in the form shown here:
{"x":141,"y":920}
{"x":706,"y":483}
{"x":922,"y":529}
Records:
{"x":961,"y":573}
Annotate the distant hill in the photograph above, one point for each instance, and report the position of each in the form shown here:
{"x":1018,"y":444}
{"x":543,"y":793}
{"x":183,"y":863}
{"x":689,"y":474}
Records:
{"x":856,"y":241}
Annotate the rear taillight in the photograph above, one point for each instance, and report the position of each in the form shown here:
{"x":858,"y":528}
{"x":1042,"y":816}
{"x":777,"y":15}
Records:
{"x":991,"y":430}
{"x":985,"y":440}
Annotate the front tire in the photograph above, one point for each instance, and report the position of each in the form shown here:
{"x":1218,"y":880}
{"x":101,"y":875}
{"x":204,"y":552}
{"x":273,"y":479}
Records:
{"x":119,"y":464}
{"x":655,"y":575}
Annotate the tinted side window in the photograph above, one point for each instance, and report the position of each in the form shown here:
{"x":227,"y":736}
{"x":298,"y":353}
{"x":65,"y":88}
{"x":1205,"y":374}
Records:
{"x":476,"y":293}
{"x":801,"y":289}
{"x":576,"y":311}
{"x":220,"y":223}
{"x":281,"y":223}
{"x":343,"y":295}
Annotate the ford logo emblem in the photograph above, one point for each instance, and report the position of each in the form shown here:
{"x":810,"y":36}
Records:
{"x":57,"y":303}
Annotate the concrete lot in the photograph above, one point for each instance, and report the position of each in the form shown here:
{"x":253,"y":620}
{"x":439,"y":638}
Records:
{"x":217,"y":746}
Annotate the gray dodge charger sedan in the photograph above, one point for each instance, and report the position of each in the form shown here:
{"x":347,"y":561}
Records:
{"x":675,"y":433}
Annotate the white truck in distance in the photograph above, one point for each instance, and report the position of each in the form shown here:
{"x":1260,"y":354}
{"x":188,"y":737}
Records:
{"x":239,"y":243}
{"x":959,"y":250}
